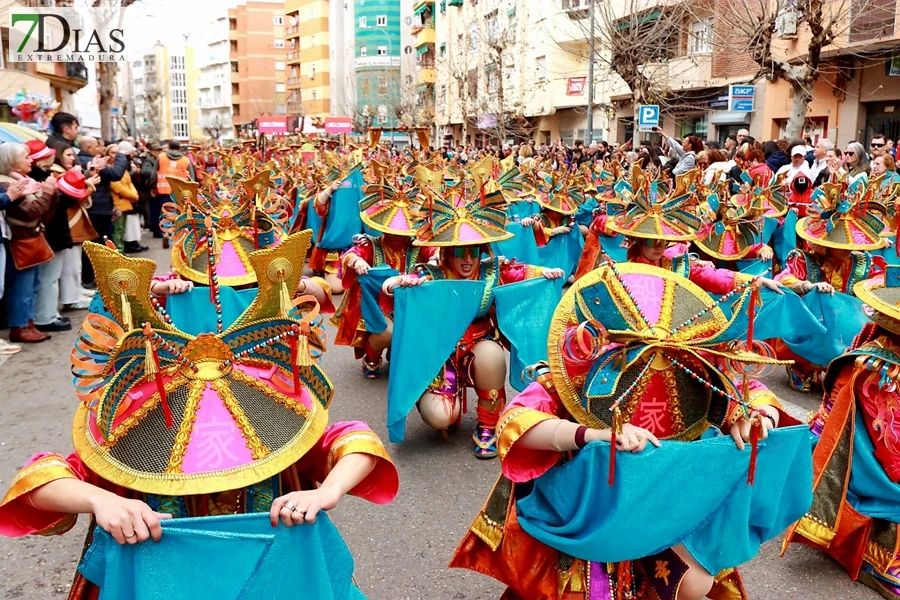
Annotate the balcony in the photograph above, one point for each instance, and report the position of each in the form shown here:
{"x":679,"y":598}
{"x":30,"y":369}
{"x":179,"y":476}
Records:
{"x":427,"y":75}
{"x":681,"y":73}
{"x":293,"y":55}
{"x":235,"y":98}
{"x":290,"y":32}
{"x":70,"y":77}
{"x":425,"y":36}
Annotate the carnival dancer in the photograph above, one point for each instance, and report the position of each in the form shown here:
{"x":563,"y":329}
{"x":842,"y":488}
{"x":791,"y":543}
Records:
{"x":841,"y":229}
{"x":462,"y":225}
{"x":151,"y":395}
{"x":856,"y":461}
{"x":559,"y":199}
{"x":395,"y":213}
{"x":628,"y":371}
{"x":334,"y":217}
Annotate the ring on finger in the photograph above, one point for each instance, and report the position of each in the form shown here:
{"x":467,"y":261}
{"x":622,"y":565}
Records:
{"x":133,"y":534}
{"x":290,"y":506}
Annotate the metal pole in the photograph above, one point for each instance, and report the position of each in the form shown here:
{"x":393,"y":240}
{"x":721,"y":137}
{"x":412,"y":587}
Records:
{"x":590,"y":99}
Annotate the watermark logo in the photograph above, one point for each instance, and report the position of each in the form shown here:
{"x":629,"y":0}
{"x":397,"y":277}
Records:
{"x":66,"y":34}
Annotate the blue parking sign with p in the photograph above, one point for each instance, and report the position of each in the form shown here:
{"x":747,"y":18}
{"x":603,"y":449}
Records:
{"x":648,"y":117}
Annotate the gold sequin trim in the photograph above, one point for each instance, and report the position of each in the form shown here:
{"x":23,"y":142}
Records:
{"x":668,"y":304}
{"x":138,"y":415}
{"x":183,"y":437}
{"x":367,"y":440}
{"x":257,"y":449}
{"x":674,"y":401}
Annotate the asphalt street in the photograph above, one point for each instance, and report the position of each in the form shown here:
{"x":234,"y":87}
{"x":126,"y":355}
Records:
{"x":401,"y":550}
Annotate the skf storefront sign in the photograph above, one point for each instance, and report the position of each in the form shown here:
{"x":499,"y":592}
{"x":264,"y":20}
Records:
{"x":575,"y":86}
{"x":741,"y":98}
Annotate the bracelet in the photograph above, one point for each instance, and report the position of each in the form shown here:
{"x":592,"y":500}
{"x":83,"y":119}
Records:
{"x":579,"y":437}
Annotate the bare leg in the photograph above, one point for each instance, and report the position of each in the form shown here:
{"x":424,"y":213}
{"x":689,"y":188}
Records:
{"x":696,"y":583}
{"x":489,"y":375}
{"x":334,"y":282}
{"x":381,"y":341}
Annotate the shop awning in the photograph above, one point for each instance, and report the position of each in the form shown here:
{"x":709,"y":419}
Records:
{"x":725,"y":117}
{"x":422,"y":50}
{"x":420,"y":9}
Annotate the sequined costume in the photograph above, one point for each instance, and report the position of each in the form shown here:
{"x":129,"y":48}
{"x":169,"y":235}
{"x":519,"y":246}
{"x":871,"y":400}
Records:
{"x":615,"y":380}
{"x":198,"y":425}
{"x":856,"y":460}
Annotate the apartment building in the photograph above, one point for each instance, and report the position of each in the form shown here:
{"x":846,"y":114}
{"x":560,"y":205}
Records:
{"x":257,"y":53}
{"x":308,"y":37}
{"x":214,"y":83}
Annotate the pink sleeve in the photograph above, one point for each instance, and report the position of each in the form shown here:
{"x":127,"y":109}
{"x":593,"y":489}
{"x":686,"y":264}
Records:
{"x":18,"y":516}
{"x":714,"y":281}
{"x":167,"y":277}
{"x":353,"y":437}
{"x":534,"y":405}
{"x":513,"y":272}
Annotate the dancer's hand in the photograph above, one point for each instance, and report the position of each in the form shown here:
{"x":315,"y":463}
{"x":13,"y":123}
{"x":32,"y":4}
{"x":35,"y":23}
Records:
{"x":527,"y":222}
{"x":171,"y":287}
{"x":360,"y":266}
{"x":821,"y":287}
{"x":299,"y":507}
{"x":560,"y":230}
{"x":766,"y":253}
{"x":632,"y":439}
{"x":552,"y":274}
{"x":770,"y":284}
{"x":128,"y":521}
{"x":743,"y":427}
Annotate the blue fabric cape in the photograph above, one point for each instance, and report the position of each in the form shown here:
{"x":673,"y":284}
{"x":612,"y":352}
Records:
{"x":784,"y":238}
{"x":524,"y":312}
{"x":419,"y":347}
{"x":888,"y":254}
{"x":521,"y":209}
{"x":234,"y":557}
{"x":719,"y":518}
{"x":193,"y":313}
{"x":871,"y":492}
{"x":561,"y":252}
{"x":842,"y":317}
{"x":614,"y":248}
{"x":343,"y":221}
{"x":370,"y":290}
{"x":781,"y":316}
{"x":585,"y":213}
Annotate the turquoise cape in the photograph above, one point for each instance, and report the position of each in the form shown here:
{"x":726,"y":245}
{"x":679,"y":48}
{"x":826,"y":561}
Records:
{"x":193,"y":313}
{"x":720,"y":519}
{"x":419,"y":348}
{"x":370,"y":290}
{"x":561,"y":252}
{"x":784,"y":316}
{"x":840,"y":315}
{"x":784,"y":238}
{"x":585,"y":213}
{"x":521,"y":209}
{"x":233,"y":557}
{"x":343,"y":221}
{"x":614,"y":247}
{"x":871,"y":492}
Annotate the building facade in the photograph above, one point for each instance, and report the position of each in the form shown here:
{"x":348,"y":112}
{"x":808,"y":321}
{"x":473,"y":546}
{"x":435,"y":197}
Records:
{"x":378,"y":44}
{"x":342,"y":26}
{"x":60,"y":81}
{"x":161,"y":105}
{"x":257,"y":56}
{"x":308,"y":57}
{"x":214,"y":82}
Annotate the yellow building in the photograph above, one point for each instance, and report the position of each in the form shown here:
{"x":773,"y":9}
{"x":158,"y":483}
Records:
{"x":308,"y":61}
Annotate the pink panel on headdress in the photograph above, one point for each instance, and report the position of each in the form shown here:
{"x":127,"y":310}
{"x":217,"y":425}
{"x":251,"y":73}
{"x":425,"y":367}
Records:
{"x":468,"y":234}
{"x":399,"y":222}
{"x":668,"y":229}
{"x":729,"y":246}
{"x":230,"y":264}
{"x":676,"y":250}
{"x":216,"y":442}
{"x":647,"y":292}
{"x":858,"y":236}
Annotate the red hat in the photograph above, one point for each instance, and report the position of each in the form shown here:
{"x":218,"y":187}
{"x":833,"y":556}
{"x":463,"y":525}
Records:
{"x":38,"y":150}
{"x":73,"y":184}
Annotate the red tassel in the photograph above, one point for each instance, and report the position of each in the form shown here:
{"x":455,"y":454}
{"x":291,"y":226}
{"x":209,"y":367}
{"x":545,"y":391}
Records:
{"x":754,"y":452}
{"x":210,"y":271}
{"x":161,"y":388}
{"x":612,"y":458}
{"x":483,"y":197}
{"x":751,"y":316}
{"x":295,"y":370}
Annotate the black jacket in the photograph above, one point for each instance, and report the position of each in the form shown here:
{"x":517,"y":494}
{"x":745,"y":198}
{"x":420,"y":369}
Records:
{"x":56,"y":223}
{"x":102,"y":196}
{"x":55,"y":139}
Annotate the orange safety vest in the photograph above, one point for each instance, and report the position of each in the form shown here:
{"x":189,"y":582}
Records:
{"x":176,"y":168}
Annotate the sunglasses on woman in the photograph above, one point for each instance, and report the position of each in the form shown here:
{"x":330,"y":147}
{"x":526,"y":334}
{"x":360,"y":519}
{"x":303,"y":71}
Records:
{"x":657,"y":243}
{"x":849,"y":153}
{"x":465,"y":252}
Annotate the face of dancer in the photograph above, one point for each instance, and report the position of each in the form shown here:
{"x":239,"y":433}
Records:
{"x":653,"y":250}
{"x":464,"y":260}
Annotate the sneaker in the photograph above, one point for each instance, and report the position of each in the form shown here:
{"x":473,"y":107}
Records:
{"x":86,"y":293}
{"x":797,"y":382}
{"x":371,"y":370}
{"x":485,"y":439}
{"x":82,"y":304}
{"x":7,"y":349}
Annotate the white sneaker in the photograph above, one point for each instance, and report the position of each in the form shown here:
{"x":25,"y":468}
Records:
{"x":7,"y":348}
{"x":87,"y":293}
